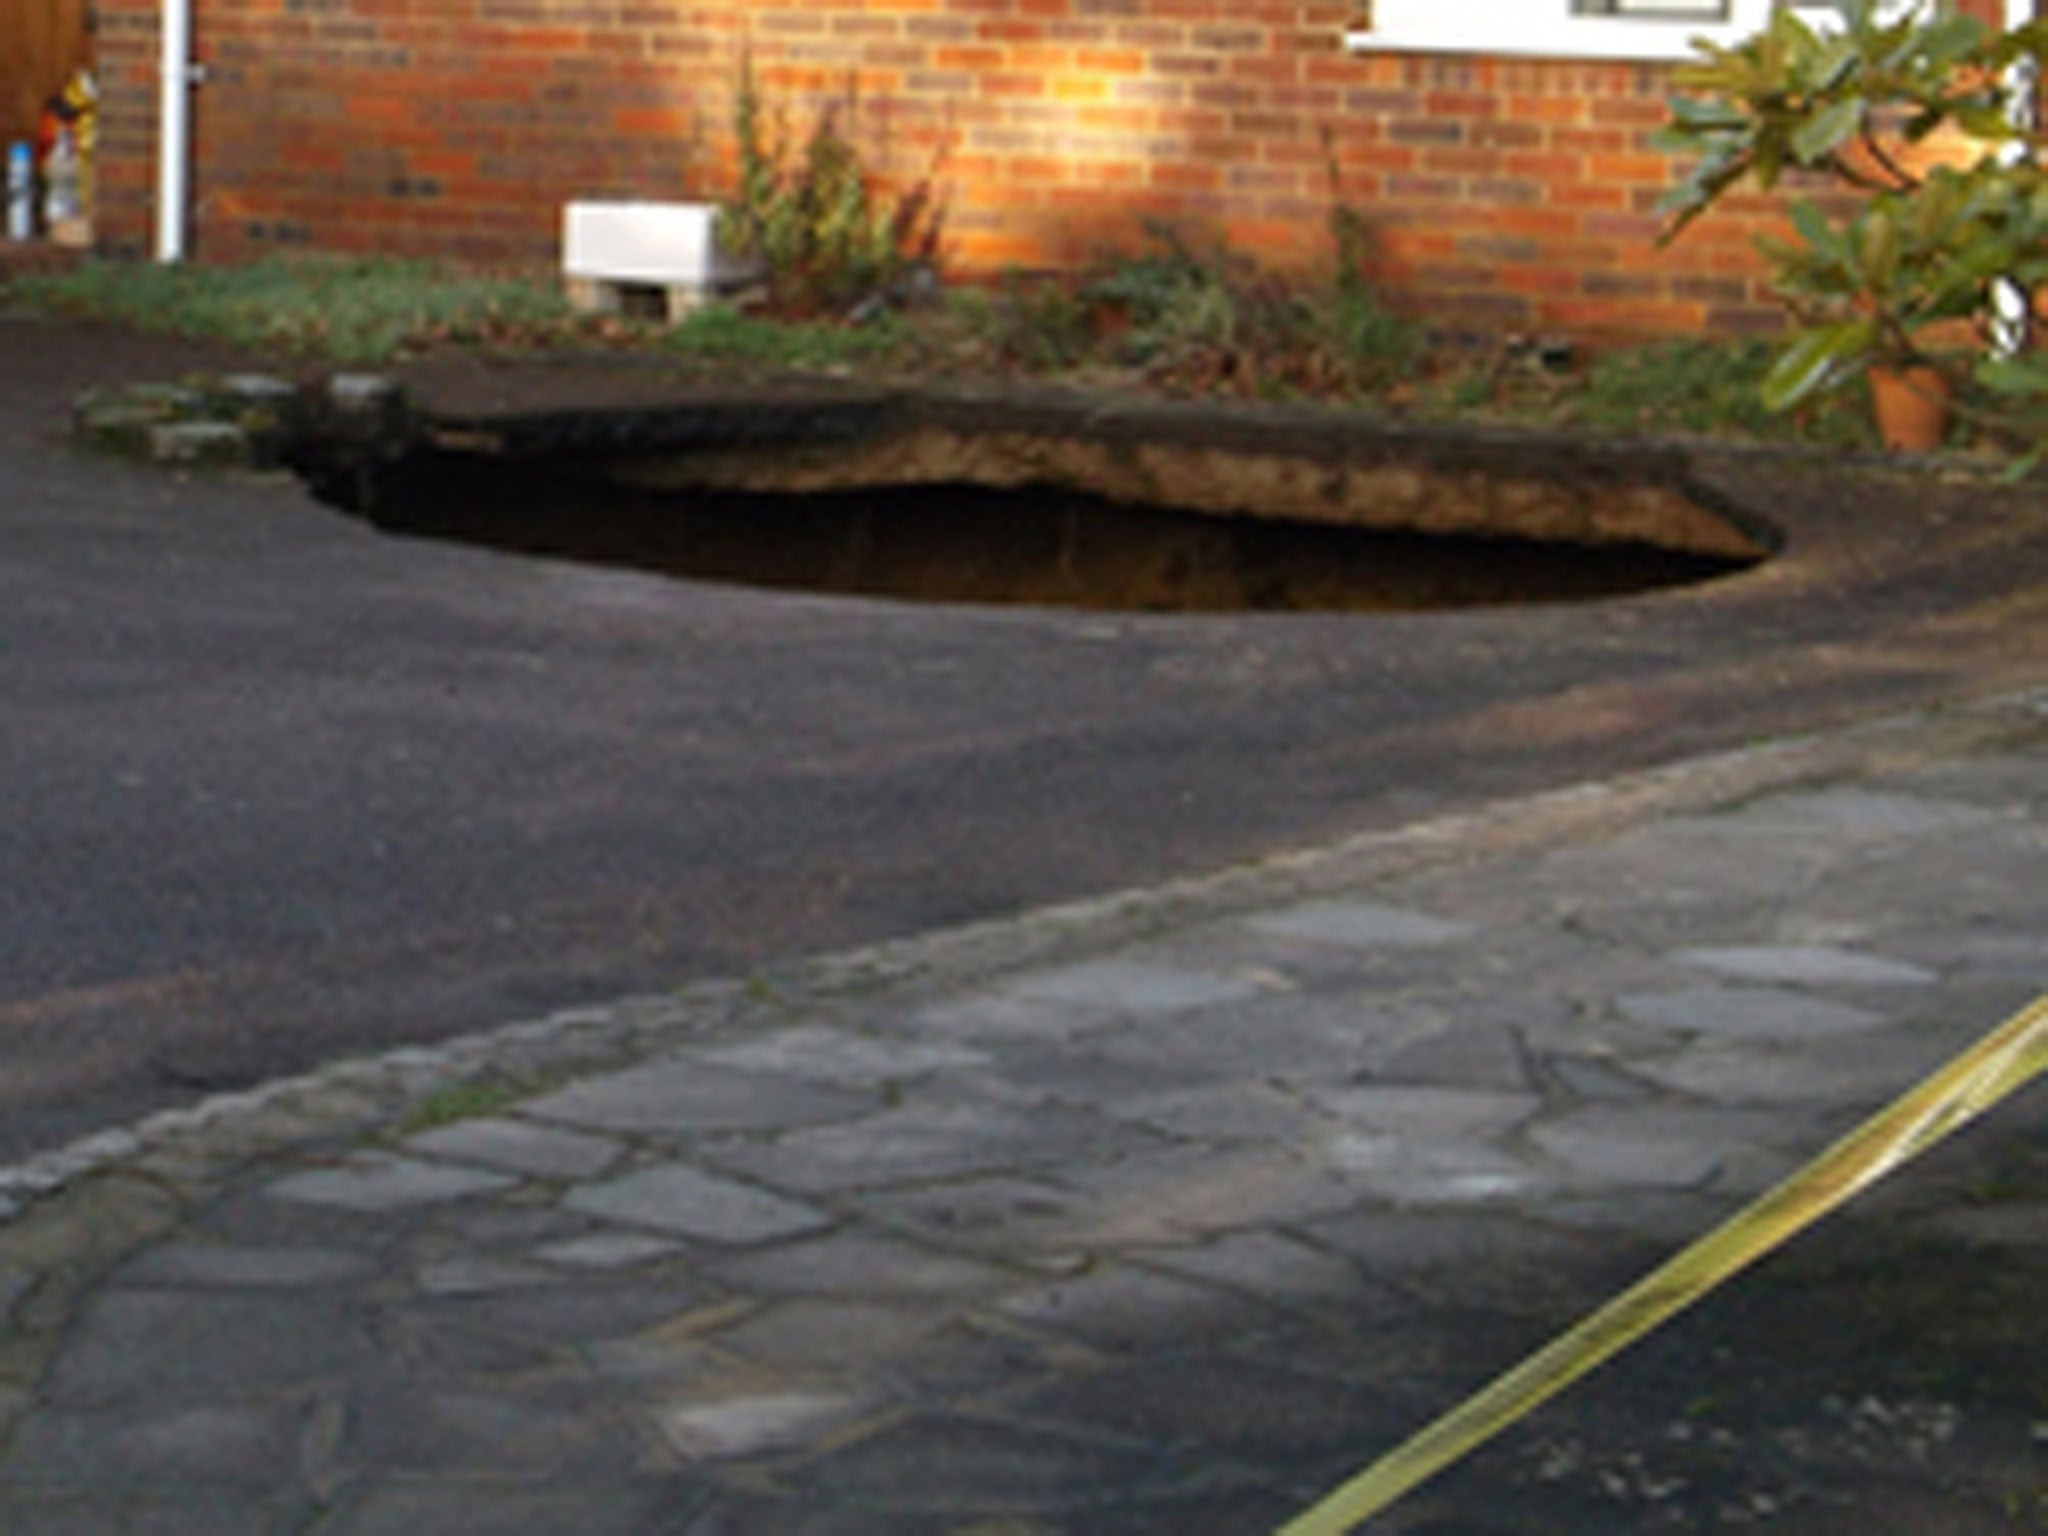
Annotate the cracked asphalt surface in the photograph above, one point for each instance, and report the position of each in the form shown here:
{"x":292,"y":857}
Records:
{"x":275,"y":787}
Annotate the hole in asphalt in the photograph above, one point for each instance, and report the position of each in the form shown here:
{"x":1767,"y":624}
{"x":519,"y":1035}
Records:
{"x":1041,"y":545}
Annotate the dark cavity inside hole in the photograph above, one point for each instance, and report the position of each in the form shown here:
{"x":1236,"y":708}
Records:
{"x":1040,"y":545}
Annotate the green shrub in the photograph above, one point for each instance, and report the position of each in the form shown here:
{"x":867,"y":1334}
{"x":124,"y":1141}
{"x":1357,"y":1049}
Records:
{"x":810,"y":215}
{"x":1903,"y":265}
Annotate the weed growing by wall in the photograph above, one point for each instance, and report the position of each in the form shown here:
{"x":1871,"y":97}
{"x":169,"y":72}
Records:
{"x":810,"y":211}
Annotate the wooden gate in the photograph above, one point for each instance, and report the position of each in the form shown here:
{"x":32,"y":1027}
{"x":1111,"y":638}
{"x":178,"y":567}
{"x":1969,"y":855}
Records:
{"x":41,"y":43}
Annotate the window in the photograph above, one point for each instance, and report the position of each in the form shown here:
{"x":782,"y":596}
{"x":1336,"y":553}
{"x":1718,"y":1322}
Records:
{"x":1585,"y":29}
{"x":1708,"y":11}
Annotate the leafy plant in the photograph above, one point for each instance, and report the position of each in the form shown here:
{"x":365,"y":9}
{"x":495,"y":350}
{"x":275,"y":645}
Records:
{"x":810,"y":213}
{"x":1903,"y":263}
{"x":1189,"y":316}
{"x":1029,"y":322}
{"x":1206,"y":320}
{"x":1369,"y":346}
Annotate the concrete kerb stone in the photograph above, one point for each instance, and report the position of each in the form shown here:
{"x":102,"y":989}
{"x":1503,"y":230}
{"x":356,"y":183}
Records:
{"x":70,"y":1215}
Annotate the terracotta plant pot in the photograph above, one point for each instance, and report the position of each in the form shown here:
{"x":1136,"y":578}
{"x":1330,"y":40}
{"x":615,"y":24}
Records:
{"x":1911,"y":405}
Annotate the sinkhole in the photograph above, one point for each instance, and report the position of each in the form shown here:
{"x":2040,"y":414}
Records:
{"x":1038,"y":545}
{"x":1068,"y":506}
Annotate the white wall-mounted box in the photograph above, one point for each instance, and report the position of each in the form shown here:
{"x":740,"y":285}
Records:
{"x":672,"y":248}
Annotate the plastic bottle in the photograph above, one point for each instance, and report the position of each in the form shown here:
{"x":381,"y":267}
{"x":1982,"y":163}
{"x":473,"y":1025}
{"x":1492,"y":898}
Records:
{"x":83,"y":93}
{"x":60,"y":180}
{"x":21,"y":191}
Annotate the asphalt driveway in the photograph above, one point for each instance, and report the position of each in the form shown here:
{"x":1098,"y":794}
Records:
{"x":275,"y":787}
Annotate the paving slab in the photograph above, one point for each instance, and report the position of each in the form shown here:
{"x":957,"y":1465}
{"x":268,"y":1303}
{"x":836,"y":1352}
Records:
{"x":689,"y":1202}
{"x":686,"y":1095}
{"x":1129,"y":987}
{"x":1807,"y":965}
{"x":608,"y":1251}
{"x":1278,"y":1265}
{"x":1749,"y":1013}
{"x":1180,"y":1193}
{"x":1815,"y":1073}
{"x":859,"y":1265}
{"x":519,"y":1147}
{"x":1361,"y":925}
{"x":474,"y":1433}
{"x":485,"y":1508}
{"x":156,"y":1514}
{"x":229,"y":1267}
{"x":831,"y":1336}
{"x":1618,"y":1148}
{"x":498,"y":1334}
{"x":478,"y":1276}
{"x":747,"y":1426}
{"x":1857,"y":814}
{"x":928,"y":1142}
{"x":131,"y":1347}
{"x":208,"y":1446}
{"x":836,"y":1056}
{"x":379,"y":1183}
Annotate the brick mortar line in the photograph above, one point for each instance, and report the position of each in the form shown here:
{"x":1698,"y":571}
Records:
{"x":68,"y":1216}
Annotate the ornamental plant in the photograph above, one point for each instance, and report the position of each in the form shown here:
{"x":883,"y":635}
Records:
{"x":809,"y":212}
{"x":1904,"y":131}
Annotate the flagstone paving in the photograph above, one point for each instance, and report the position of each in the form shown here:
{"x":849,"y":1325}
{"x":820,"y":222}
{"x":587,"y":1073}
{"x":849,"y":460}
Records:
{"x":1164,"y":1228}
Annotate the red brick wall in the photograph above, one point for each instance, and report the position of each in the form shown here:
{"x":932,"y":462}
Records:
{"x":1505,"y":195}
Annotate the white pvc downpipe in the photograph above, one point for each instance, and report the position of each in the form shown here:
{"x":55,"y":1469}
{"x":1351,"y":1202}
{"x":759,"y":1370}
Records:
{"x":2015,"y":311}
{"x":174,"y":130}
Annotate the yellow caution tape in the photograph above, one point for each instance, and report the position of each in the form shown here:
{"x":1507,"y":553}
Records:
{"x":2003,"y":1062}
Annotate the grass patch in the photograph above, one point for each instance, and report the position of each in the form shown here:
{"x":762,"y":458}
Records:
{"x":727,"y":336}
{"x":1706,"y":387}
{"x":458,"y":1102}
{"x":350,"y":311}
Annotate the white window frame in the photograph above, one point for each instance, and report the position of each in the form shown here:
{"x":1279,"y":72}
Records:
{"x":1551,"y":29}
